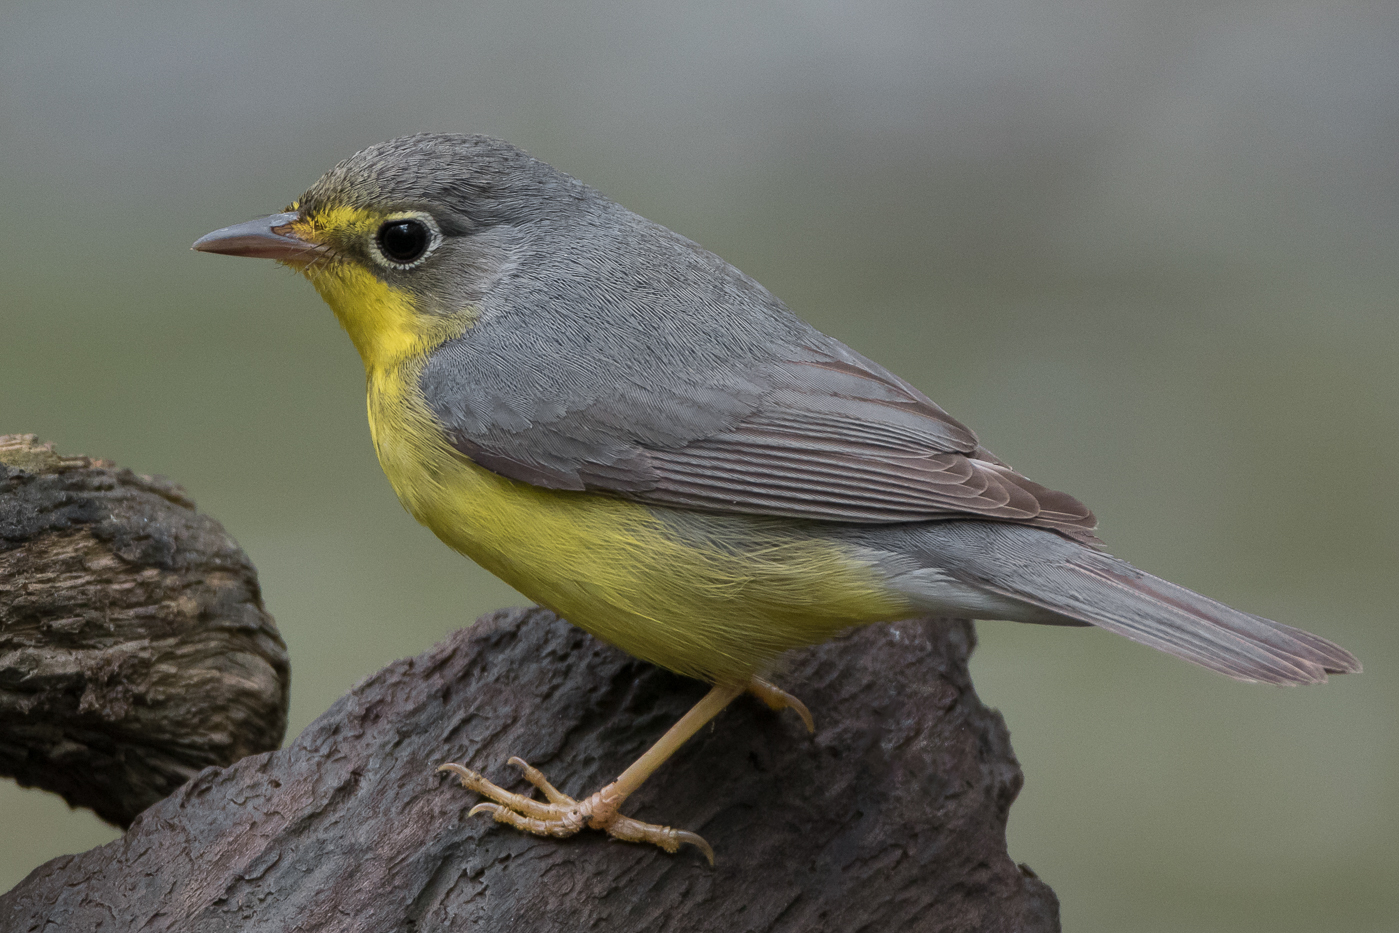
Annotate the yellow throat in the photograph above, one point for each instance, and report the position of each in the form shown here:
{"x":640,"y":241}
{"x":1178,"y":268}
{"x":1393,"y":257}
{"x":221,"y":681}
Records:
{"x":715,"y":597}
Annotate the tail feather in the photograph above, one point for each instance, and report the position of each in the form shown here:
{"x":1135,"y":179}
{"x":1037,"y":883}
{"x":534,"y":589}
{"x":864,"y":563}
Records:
{"x":1178,"y":621}
{"x":1071,"y":582}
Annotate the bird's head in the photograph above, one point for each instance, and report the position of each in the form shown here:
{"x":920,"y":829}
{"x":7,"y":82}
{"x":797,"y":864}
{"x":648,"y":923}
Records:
{"x":404,"y":239}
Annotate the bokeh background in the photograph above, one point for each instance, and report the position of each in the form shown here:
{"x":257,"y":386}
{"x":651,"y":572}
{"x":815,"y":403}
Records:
{"x":1149,"y":250}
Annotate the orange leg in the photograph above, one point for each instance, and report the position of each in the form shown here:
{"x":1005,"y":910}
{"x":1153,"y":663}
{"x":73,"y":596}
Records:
{"x":563,"y":816}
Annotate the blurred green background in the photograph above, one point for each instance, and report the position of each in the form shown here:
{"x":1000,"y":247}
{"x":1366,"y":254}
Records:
{"x":1149,"y":251}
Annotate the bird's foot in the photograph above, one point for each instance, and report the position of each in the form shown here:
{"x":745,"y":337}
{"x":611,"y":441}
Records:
{"x":563,"y":816}
{"x":778,"y":699}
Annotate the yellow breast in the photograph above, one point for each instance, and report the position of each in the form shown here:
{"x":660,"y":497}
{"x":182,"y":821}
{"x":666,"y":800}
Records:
{"x":715,"y":597}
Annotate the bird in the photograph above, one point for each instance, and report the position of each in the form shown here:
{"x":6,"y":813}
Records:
{"x":633,"y":433}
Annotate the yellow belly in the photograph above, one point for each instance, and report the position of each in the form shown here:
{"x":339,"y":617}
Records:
{"x":715,"y":597}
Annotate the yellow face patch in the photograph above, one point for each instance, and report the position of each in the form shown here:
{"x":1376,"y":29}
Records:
{"x":384,"y":322}
{"x":338,"y":227}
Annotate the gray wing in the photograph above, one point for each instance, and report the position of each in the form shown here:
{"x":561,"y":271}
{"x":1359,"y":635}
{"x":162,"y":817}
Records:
{"x":840,"y":439}
{"x":818,"y":436}
{"x":698,"y":389}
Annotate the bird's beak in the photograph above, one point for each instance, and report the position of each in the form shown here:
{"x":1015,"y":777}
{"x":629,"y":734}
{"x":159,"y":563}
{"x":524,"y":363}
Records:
{"x":267,"y":237}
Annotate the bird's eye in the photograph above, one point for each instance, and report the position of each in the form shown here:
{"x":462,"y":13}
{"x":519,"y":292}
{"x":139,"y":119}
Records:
{"x":403,"y":242}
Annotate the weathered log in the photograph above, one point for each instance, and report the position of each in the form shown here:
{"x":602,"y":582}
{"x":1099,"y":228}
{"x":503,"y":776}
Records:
{"x":892,"y":817}
{"x":134,"y":647}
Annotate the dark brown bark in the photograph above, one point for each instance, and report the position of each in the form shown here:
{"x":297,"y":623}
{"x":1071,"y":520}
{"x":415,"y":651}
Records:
{"x":890,"y":818}
{"x":134,"y":648}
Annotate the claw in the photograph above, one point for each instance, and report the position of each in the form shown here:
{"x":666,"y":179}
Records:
{"x":563,"y":816}
{"x":696,"y":840}
{"x":471,"y":780}
{"x":778,"y":699}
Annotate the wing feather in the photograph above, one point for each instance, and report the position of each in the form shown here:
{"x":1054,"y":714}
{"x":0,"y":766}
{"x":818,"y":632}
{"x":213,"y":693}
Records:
{"x":831,"y":440}
{"x":666,"y":376}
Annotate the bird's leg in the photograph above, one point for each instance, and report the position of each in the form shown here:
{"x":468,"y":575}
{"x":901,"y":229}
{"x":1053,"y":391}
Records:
{"x":563,"y":816}
{"x":778,"y":699}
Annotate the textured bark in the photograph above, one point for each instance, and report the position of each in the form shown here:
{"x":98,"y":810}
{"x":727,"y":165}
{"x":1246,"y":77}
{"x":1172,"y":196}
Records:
{"x":134,"y":648}
{"x":892,"y":817}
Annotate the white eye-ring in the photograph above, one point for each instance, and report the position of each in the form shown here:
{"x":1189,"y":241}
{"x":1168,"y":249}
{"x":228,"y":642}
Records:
{"x":404,"y":240}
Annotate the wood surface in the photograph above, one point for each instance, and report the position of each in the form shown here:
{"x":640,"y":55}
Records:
{"x":890,"y":818}
{"x":134,"y":646}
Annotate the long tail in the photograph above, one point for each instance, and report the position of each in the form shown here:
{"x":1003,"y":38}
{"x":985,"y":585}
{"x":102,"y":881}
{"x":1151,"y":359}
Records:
{"x":1055,"y":580}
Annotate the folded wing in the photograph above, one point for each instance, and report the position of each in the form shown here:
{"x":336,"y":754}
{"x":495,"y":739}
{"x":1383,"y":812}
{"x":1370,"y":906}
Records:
{"x":814,"y":432}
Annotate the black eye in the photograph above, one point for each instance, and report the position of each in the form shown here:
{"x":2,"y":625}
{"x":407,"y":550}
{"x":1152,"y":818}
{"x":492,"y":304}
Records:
{"x":404,"y":241}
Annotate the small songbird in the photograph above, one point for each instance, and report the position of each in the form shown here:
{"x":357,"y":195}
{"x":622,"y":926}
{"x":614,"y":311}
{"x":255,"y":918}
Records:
{"x":635,"y":434}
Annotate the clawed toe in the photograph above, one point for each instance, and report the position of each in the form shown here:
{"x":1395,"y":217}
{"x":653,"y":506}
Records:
{"x":560,"y":815}
{"x":564,"y":816}
{"x":778,"y":699}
